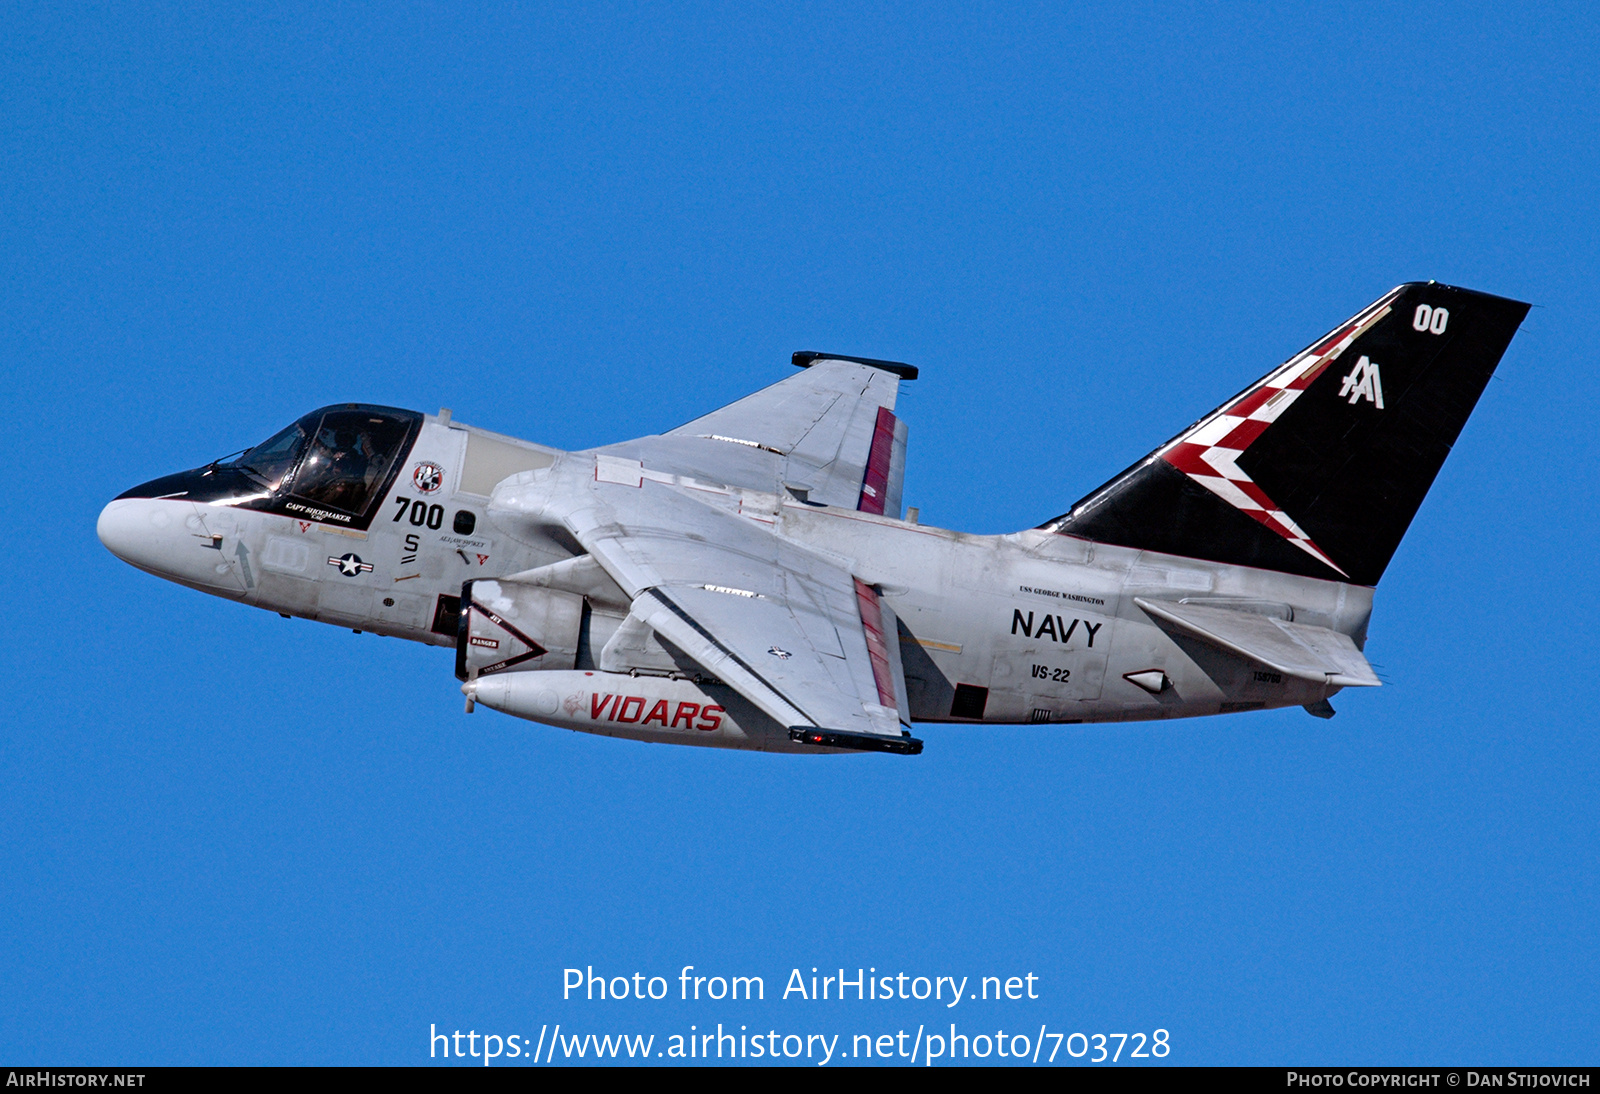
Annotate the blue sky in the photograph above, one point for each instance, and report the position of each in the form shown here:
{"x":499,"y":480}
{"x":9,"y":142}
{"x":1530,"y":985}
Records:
{"x":229,"y":838}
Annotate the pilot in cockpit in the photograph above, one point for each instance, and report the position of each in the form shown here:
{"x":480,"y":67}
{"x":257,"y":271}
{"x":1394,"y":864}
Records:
{"x":352,"y":457}
{"x":347,"y":451}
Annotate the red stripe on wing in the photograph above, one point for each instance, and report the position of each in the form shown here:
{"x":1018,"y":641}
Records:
{"x":877,"y":644}
{"x":875,"y":484}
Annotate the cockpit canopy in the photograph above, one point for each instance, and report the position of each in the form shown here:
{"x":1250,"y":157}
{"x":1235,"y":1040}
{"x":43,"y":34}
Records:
{"x":332,"y":465}
{"x":338,"y":456}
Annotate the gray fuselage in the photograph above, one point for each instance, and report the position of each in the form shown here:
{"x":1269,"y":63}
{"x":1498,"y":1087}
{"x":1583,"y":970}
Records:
{"x":1028,"y":627}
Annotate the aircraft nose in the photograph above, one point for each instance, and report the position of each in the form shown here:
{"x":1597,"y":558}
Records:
{"x":156,"y":536}
{"x":130,"y":529}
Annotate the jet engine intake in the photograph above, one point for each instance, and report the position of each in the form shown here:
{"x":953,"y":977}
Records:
{"x":509,"y":627}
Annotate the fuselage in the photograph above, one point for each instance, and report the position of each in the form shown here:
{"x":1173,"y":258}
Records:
{"x":1028,"y":627}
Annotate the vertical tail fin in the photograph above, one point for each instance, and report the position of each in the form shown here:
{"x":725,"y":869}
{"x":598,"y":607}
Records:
{"x":1318,"y":468}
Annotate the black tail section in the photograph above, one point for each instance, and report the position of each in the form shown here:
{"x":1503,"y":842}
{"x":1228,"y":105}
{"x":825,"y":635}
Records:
{"x":1318,"y":468}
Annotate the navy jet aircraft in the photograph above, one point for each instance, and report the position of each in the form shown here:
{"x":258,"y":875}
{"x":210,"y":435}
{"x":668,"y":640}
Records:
{"x":748,"y":580}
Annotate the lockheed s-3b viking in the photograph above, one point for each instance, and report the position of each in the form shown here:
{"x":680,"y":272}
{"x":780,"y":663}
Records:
{"x":748,"y":580}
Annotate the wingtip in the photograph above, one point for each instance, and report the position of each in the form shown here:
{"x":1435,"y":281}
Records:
{"x":906,"y":745}
{"x":805,"y":358}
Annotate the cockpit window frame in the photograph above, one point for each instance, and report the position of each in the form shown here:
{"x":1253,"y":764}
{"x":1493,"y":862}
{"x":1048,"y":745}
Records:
{"x":285,"y":502}
{"x":316,"y":443}
{"x":260,"y":477}
{"x":225,"y":482}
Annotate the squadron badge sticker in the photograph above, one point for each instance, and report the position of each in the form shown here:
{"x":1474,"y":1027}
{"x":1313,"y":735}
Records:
{"x":427,"y":478}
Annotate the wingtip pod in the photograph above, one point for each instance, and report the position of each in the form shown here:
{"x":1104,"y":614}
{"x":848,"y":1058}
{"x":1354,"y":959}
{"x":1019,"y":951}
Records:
{"x":1318,"y":468}
{"x":860,"y":742}
{"x":805,"y":358}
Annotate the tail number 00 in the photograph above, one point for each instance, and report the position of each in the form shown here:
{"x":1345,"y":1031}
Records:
{"x":1432,"y":320}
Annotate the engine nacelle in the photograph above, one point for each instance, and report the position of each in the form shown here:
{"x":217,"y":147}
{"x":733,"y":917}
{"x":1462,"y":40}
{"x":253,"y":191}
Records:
{"x":508,"y":627}
{"x":644,"y":708}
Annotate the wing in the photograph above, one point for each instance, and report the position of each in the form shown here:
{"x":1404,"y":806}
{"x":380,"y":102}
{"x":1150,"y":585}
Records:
{"x":828,"y":434}
{"x":791,"y":631}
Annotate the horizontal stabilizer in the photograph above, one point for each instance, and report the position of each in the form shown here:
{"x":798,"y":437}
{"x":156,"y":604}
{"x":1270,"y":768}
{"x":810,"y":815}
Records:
{"x":1294,"y":649}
